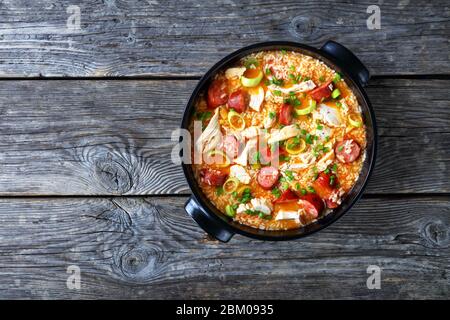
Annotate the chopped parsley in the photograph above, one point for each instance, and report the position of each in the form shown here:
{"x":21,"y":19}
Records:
{"x":340,"y":148}
{"x":268,"y":72}
{"x":311,"y":189}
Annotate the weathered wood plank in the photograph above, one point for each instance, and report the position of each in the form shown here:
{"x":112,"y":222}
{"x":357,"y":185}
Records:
{"x":186,"y":37}
{"x":113,"y":137}
{"x":150,"y":248}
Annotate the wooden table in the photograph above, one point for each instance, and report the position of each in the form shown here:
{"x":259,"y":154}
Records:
{"x":85,"y":174}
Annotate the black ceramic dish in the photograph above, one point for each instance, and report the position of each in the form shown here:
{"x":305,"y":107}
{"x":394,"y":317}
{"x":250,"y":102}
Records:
{"x":355,"y":74}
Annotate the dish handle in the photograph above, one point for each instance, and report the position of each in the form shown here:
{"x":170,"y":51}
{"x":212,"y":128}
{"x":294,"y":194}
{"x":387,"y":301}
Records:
{"x":348,"y":61}
{"x":206,"y":222}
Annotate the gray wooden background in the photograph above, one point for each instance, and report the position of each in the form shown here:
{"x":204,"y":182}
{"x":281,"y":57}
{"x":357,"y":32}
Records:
{"x":85,"y":173}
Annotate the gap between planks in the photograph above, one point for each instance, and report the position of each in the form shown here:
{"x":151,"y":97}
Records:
{"x":181,"y":77}
{"x":183,"y":195}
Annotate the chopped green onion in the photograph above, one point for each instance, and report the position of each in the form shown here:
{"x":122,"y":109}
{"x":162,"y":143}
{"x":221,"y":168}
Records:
{"x":277,"y":92}
{"x":275,"y":81}
{"x":219,"y":191}
{"x":332,"y":178}
{"x":311,"y":189}
{"x":250,"y":63}
{"x":336,"y":93}
{"x":334,"y":168}
{"x":289,"y":175}
{"x":276,"y":192}
{"x":337,"y":78}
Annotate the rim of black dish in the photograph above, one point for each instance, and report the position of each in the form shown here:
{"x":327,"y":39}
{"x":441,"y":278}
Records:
{"x":278,"y":235}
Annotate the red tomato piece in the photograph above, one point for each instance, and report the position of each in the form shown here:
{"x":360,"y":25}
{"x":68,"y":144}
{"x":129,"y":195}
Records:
{"x":286,"y":114}
{"x":322,"y":92}
{"x":286,"y":196}
{"x":323,"y":185}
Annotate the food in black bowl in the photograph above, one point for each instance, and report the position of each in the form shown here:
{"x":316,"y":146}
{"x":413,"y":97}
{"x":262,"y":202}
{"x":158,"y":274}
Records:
{"x":285,"y":141}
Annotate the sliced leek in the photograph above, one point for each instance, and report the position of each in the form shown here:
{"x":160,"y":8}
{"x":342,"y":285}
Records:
{"x":218,"y":158}
{"x":229,"y":210}
{"x":310,"y":108}
{"x":236,"y":121}
{"x":241,"y":190}
{"x":355,"y":120}
{"x":230,"y":185}
{"x":252,"y":82}
{"x":295,"y":145}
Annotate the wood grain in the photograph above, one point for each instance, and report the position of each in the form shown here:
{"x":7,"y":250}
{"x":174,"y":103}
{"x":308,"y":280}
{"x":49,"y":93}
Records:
{"x":149,"y":248}
{"x":114,"y":137}
{"x":166,"y":38}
